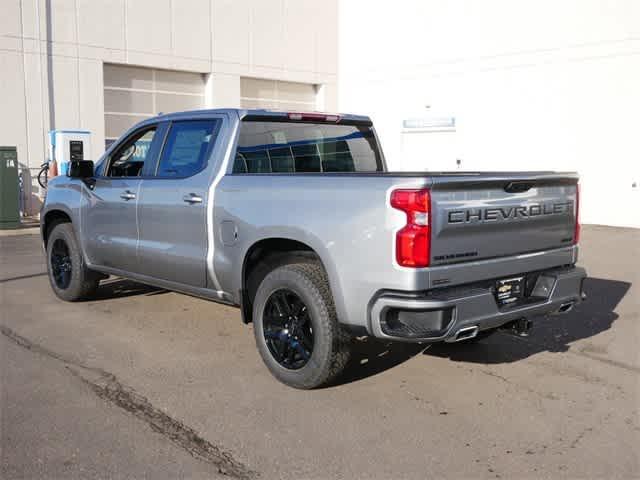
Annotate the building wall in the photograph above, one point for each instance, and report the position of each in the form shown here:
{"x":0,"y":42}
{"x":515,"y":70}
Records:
{"x":543,"y":85}
{"x":52,"y":54}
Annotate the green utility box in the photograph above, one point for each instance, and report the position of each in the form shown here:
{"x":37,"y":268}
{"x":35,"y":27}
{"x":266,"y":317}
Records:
{"x":9,"y":189}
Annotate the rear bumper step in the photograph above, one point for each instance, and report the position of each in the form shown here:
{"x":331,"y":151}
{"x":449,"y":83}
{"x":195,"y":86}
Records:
{"x":460,"y":313}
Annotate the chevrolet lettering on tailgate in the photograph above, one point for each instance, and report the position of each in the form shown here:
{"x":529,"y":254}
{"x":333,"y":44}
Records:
{"x":509,"y":213}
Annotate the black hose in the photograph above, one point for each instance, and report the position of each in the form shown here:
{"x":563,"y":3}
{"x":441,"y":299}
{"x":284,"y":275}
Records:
{"x":43,"y":175}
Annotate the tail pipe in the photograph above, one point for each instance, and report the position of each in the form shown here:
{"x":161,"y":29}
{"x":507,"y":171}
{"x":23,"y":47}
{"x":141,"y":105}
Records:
{"x":465,"y":333}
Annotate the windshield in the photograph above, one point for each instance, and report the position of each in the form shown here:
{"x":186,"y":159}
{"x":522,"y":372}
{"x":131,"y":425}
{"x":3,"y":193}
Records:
{"x":296,"y":147}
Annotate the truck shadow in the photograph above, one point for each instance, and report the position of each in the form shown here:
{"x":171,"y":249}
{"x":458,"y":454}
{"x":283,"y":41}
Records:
{"x":370,"y":356}
{"x":121,"y":288}
{"x":549,"y":334}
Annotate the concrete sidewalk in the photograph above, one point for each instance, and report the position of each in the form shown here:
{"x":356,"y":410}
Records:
{"x":28,"y":226}
{"x":20,"y":231}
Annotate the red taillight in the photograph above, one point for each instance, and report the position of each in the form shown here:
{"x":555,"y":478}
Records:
{"x":321,"y":117}
{"x":413,"y":241}
{"x":576,"y":233}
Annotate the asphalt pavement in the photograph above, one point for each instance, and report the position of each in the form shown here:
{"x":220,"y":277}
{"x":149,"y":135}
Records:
{"x":140,"y":382}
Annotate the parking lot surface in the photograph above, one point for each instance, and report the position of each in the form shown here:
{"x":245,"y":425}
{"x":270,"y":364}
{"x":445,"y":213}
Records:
{"x":144,"y":382}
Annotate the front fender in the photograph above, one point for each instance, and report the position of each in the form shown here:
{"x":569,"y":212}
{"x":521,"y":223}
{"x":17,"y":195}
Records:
{"x":63,"y":195}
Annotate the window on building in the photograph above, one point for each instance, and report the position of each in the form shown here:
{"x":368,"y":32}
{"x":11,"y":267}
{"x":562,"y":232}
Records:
{"x":133,"y":94}
{"x":278,"y":95}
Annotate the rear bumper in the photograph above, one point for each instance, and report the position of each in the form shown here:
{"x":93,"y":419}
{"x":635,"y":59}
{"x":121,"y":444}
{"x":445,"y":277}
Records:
{"x":440,"y":314}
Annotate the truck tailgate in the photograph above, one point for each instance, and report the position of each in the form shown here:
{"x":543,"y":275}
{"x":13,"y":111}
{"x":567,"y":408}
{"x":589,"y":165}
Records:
{"x":482,"y":216}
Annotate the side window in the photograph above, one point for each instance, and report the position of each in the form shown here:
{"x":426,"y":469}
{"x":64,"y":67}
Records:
{"x":187,"y":148}
{"x":129,"y":158}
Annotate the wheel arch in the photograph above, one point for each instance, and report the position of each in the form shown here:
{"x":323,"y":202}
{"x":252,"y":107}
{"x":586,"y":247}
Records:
{"x":268,"y":253}
{"x":50,"y":220}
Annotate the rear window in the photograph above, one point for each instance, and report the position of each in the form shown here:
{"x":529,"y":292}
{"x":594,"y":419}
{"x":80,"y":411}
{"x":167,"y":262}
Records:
{"x":295,"y":147}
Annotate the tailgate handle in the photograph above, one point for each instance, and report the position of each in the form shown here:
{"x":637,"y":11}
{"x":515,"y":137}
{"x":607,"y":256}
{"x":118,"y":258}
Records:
{"x":517,"y":187}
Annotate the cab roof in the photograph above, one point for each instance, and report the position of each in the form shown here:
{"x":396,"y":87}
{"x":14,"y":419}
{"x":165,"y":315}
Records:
{"x":263,"y":114}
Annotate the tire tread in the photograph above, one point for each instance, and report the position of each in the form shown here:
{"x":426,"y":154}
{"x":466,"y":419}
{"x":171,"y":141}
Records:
{"x":86,"y":282}
{"x":341,"y":339}
{"x":311,"y":277}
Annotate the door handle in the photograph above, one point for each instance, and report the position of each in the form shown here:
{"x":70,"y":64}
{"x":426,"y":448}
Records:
{"x":128,"y":195}
{"x":192,"y":198}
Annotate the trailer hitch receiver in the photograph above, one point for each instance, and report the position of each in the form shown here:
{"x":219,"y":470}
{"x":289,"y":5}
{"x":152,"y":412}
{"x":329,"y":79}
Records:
{"x":520,"y":327}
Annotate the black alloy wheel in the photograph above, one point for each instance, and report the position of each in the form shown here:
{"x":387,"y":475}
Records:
{"x":287,"y":328}
{"x":70,"y":278}
{"x":61,"y":265}
{"x":296,"y":326}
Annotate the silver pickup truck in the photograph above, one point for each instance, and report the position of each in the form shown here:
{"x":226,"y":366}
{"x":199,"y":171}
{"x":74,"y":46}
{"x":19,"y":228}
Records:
{"x":294,"y":218}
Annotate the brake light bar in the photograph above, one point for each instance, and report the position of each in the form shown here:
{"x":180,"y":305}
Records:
{"x":413,"y":241}
{"x":323,"y":117}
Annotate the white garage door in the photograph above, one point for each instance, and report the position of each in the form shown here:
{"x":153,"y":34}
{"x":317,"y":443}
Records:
{"x":132,"y":94}
{"x":278,"y":95}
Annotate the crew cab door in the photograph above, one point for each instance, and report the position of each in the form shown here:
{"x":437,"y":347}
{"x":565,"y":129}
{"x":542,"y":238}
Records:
{"x":109,"y":224}
{"x":172,"y":208}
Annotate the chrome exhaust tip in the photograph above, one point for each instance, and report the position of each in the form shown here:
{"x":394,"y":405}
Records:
{"x":464,"y":333}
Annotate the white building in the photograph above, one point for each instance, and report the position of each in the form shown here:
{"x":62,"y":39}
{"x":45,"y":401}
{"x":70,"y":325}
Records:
{"x":503,"y":85}
{"x":450,"y":84}
{"x":102,"y":65}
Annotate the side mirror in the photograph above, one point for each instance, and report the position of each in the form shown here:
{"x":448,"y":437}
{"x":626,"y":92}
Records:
{"x":82,"y":169}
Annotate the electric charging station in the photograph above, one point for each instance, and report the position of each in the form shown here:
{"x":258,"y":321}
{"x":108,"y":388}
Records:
{"x":68,"y":145}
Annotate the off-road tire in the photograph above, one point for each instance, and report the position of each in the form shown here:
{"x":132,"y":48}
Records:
{"x":83,"y":282}
{"x":331,"y":344}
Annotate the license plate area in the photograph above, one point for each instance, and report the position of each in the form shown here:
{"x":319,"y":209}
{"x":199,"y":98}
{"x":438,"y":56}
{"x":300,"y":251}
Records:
{"x":509,"y":290}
